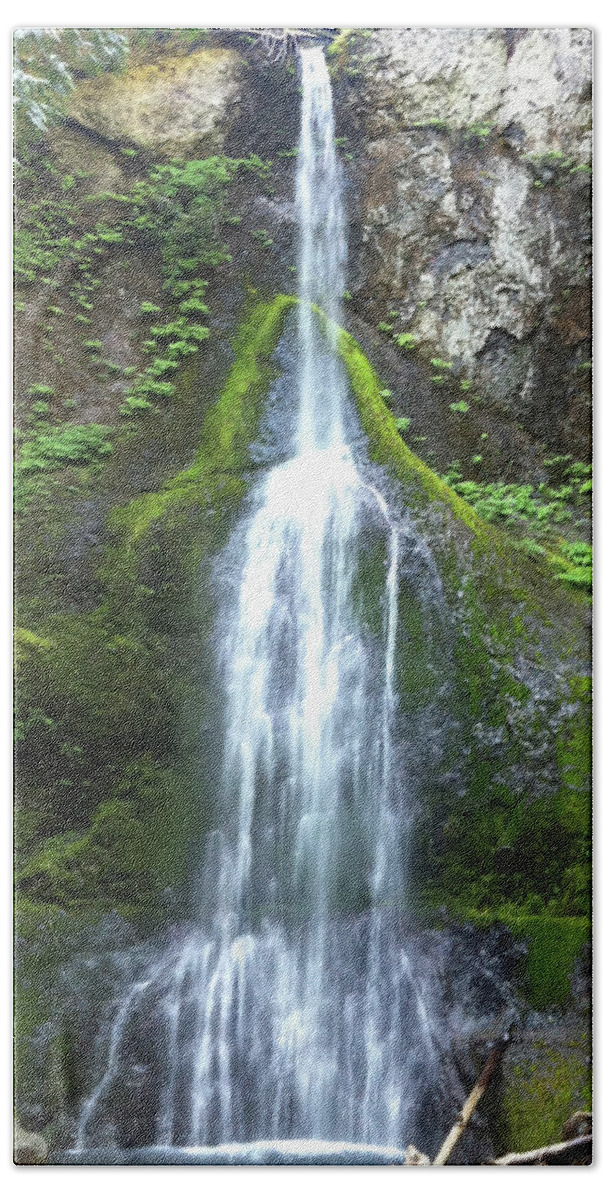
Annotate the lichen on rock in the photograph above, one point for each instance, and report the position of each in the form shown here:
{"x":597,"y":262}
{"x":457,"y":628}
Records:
{"x":176,"y":107}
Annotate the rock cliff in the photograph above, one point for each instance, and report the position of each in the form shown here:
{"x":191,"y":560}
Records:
{"x":471,"y":163}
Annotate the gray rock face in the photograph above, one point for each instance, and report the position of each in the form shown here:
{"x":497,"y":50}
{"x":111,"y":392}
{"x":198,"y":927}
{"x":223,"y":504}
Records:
{"x":537,"y":79}
{"x":474,"y":191}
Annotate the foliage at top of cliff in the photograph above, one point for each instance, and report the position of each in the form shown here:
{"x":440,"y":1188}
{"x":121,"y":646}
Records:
{"x":47,"y":63}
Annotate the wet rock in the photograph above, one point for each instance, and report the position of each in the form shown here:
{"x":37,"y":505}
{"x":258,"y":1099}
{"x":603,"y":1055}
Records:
{"x":579,"y":1124}
{"x":30,"y":1149}
{"x":545,"y":1074}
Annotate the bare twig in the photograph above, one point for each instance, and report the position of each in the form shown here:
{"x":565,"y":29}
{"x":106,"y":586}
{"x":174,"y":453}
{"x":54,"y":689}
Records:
{"x":471,"y":1102}
{"x":577,"y":1150}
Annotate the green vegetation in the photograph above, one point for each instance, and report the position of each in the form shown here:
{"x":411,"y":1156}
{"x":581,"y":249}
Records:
{"x":403,"y":423}
{"x":544,"y":515}
{"x":494,"y":847}
{"x":406,"y":341}
{"x":478,"y":131}
{"x":41,"y":389}
{"x":44,"y":64}
{"x":263,"y":237}
{"x":227,"y":431}
{"x":580,"y":555}
{"x":57,"y":446}
{"x":176,"y":210}
{"x":100,"y":750}
{"x":111,"y":816}
{"x":340,"y":44}
{"x":554,"y":167}
{"x":432,"y":123}
{"x":554,"y":943}
{"x":542,"y":1087}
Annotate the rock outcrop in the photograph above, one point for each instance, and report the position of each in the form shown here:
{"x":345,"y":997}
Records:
{"x":471,"y":151}
{"x":181,"y":106}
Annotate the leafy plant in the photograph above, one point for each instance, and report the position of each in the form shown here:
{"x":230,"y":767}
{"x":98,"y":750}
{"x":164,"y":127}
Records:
{"x":532,"y":549}
{"x":580,"y":554}
{"x":41,"y":389}
{"x":133,"y":404}
{"x":406,"y":341}
{"x":263,"y":237}
{"x":478,"y":131}
{"x":62,"y":445}
{"x":403,"y":423}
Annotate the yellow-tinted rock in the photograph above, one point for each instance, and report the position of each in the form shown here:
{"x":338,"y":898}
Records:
{"x":176,"y":107}
{"x":30,"y":1149}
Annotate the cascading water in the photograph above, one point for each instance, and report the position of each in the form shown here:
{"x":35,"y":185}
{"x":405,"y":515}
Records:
{"x":293,"y":1010}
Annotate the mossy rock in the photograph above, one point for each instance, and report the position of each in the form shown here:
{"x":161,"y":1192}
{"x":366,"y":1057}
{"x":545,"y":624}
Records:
{"x":544,"y":1080}
{"x":553,"y":946}
{"x":127,"y":672}
{"x":103,"y":695}
{"x":145,"y":106}
{"x":509,"y":607}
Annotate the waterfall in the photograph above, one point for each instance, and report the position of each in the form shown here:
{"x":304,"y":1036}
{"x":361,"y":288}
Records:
{"x":292,"y":1011}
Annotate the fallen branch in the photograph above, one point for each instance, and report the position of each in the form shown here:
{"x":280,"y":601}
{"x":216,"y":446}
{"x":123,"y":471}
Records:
{"x":471,"y":1102}
{"x":576,"y":1151}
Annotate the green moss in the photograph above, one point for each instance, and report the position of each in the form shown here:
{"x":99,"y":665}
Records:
{"x":136,"y":846}
{"x":415,"y":675}
{"x":574,"y":757}
{"x":543,"y":1085}
{"x":553,"y":945}
{"x":385,"y":444}
{"x":228,"y":429}
{"x":26,"y":642}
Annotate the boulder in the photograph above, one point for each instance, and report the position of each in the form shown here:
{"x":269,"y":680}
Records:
{"x":175,"y":107}
{"x":30,"y":1149}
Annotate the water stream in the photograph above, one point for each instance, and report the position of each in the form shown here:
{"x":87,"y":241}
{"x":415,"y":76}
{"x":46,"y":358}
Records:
{"x":294,"y":1009}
